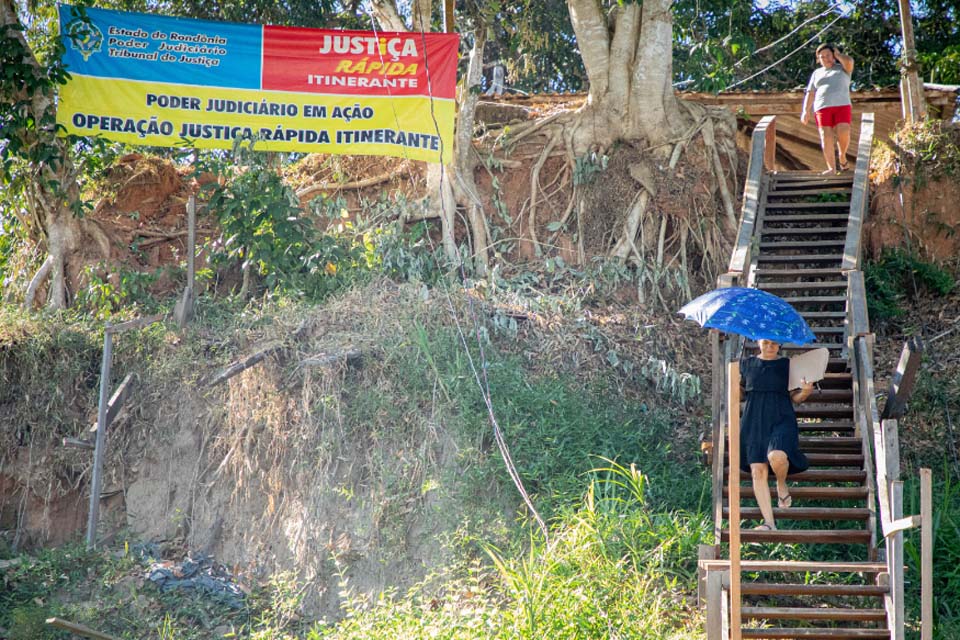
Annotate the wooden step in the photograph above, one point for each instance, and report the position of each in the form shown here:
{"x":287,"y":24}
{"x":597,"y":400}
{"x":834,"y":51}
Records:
{"x":845,"y":443}
{"x":810,"y":345}
{"x":802,"y":536}
{"x":837,"y":426}
{"x":795,"y":300}
{"x":835,"y":460}
{"x":788,"y":192}
{"x":790,"y":589}
{"x":823,"y":315}
{"x":810,"y":493}
{"x":802,"y":286}
{"x":805,"y":493}
{"x":805,"y":257}
{"x":807,"y":205}
{"x":809,"y":411}
{"x":820,"y":633}
{"x":802,"y":244}
{"x":836,"y":442}
{"x":837,"y":331}
{"x":837,"y":614}
{"x":803,"y":513}
{"x":803,"y":217}
{"x":819,"y":475}
{"x":799,"y":231}
{"x":804,"y":273}
{"x":802,"y":566}
{"x":811,"y":176}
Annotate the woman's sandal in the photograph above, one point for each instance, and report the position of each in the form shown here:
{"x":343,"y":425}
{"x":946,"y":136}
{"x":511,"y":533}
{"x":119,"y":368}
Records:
{"x":828,"y":172}
{"x":785,"y":502}
{"x":765,"y":527}
{"x":843,"y":167}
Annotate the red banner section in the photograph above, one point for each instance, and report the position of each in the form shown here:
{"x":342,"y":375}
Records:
{"x":359,"y":62}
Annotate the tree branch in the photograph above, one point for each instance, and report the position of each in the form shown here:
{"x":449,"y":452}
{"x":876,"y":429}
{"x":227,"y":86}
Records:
{"x":385,"y":11}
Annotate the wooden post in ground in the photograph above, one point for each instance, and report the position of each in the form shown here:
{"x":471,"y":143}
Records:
{"x":733,"y":382}
{"x":926,"y":555}
{"x":715,"y":608}
{"x":903,"y":380}
{"x":891,"y":454}
{"x":911,"y":89}
{"x":94,"y":514}
{"x":183,"y":310}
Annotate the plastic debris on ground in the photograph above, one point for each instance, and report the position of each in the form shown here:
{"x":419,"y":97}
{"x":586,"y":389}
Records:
{"x":199,"y":573}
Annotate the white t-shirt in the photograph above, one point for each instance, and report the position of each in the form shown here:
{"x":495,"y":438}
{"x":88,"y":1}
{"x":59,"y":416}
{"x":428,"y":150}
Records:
{"x":831,"y":87}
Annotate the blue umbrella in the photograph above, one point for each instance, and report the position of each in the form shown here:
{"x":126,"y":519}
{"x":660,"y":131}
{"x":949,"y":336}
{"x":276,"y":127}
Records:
{"x":756,"y":314}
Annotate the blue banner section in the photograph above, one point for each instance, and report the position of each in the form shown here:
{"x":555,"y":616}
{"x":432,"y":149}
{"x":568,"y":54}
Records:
{"x":139,"y":46}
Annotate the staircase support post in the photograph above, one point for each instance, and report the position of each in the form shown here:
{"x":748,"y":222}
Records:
{"x":733,"y":385}
{"x":926,"y":555}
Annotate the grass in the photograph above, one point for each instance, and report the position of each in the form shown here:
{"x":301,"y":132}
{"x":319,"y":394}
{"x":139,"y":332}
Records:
{"x":601,"y":452}
{"x":414,"y":391}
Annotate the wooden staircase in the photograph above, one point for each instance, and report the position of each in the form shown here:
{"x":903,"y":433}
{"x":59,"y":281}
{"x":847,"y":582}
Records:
{"x":800,"y":239}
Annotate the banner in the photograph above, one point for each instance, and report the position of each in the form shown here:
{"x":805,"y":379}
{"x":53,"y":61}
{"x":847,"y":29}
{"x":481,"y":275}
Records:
{"x":177,"y":82}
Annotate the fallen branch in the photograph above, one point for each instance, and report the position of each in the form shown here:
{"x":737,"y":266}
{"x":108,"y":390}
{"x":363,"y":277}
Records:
{"x":78,"y":629}
{"x":312,"y":190}
{"x":242,"y":365}
{"x":348,"y":355}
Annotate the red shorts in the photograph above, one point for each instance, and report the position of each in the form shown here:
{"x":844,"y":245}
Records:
{"x":832,"y":116}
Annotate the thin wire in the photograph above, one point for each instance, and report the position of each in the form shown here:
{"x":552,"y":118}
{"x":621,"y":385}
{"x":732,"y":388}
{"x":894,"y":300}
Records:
{"x":776,"y":42}
{"x":765,"y":69}
{"x":483,"y":382}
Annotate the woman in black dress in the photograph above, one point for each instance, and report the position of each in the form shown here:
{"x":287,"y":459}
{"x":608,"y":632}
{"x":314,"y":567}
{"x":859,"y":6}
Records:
{"x":769,"y":436}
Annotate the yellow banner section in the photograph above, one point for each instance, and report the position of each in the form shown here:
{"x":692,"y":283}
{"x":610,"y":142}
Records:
{"x":163,"y":115}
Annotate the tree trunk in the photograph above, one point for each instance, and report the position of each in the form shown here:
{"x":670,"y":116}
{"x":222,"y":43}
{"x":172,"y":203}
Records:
{"x":630,"y":69}
{"x":453,"y":184}
{"x":50,"y":192}
{"x":465,"y":157}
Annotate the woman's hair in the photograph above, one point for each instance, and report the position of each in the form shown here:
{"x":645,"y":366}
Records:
{"x":826,"y":45}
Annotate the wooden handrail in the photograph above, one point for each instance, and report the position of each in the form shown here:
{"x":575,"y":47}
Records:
{"x":763,"y":144}
{"x":860,"y":197}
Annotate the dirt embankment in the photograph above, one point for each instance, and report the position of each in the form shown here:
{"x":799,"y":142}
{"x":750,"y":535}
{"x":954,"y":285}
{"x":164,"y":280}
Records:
{"x":915,"y":183}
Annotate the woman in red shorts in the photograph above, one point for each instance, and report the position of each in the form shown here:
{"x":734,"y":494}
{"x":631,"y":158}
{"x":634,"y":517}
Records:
{"x":830,"y":86}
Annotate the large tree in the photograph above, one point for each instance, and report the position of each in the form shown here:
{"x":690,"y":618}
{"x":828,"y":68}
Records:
{"x":37,"y":167}
{"x":626,"y":49}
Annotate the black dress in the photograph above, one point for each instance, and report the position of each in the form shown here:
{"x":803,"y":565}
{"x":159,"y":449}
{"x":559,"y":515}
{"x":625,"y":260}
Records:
{"x":769,"y":422}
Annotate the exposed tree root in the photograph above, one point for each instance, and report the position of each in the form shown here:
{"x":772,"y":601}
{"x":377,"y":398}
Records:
{"x":42,"y":273}
{"x":534,"y":191}
{"x":670,"y":244}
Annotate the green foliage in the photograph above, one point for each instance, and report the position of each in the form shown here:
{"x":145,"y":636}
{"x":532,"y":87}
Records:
{"x":263,"y":228}
{"x":29,"y":147}
{"x":588,"y":166}
{"x":104,"y":295}
{"x":613,"y":568}
{"x":25,"y":600}
{"x":896,"y":274}
{"x":942,"y":67}
{"x":931,"y":149}
{"x":11,"y":239}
